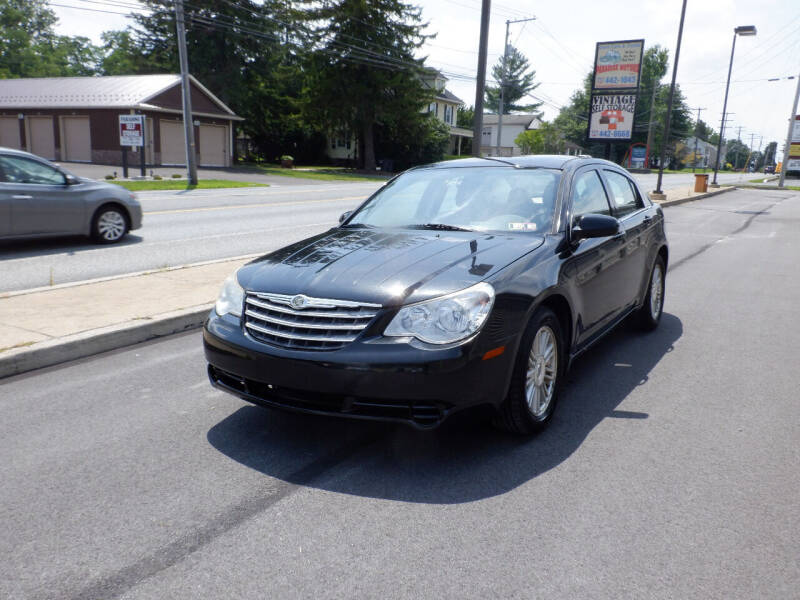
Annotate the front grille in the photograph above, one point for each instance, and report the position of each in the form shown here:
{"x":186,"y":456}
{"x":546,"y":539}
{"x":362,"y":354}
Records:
{"x":304,"y":323}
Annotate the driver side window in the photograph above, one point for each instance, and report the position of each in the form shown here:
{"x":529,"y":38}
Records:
{"x":589,"y":196}
{"x":17,"y":169}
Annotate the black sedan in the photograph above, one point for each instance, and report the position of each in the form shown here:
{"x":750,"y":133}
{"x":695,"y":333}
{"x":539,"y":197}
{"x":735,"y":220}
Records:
{"x":463,"y":283}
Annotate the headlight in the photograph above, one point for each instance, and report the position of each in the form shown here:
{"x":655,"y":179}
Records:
{"x":231,"y":298}
{"x":447,"y":319}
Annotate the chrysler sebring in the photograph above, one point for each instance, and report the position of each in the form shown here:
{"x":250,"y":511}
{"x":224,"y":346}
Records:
{"x":464,"y":283}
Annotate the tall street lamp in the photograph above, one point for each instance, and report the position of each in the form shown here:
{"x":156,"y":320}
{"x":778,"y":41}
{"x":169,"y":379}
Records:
{"x":741,"y":30}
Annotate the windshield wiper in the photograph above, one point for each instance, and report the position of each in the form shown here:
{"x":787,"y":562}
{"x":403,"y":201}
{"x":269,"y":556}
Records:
{"x":358,"y":226}
{"x":437,"y":226}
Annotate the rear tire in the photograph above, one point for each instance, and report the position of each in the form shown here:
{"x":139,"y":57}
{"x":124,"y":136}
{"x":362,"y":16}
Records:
{"x":110,"y":224}
{"x":649,"y":315}
{"x":535,"y":381}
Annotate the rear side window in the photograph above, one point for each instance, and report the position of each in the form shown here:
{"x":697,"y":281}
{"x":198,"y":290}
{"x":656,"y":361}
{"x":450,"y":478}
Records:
{"x":588,"y":195}
{"x":623,"y":192}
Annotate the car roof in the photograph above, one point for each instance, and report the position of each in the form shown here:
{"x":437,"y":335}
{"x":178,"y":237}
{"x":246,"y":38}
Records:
{"x":532,"y":161}
{"x":5,"y":150}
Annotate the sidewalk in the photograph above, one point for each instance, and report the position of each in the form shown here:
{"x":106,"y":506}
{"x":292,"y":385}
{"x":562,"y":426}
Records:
{"x":47,"y":326}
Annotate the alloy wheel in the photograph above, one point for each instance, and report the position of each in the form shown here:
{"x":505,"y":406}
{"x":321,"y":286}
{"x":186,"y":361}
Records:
{"x":540,"y":379}
{"x":656,"y":291}
{"x":111,"y":225}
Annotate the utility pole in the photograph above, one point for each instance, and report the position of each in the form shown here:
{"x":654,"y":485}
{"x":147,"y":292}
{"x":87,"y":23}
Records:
{"x":669,"y":104}
{"x":503,"y":84}
{"x":738,"y":139}
{"x":752,"y":137}
{"x":788,"y":147}
{"x":188,"y":123}
{"x":650,"y":123}
{"x":477,"y":126}
{"x":696,"y":124}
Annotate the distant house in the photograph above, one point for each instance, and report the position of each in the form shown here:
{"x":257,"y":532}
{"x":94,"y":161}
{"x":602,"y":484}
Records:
{"x":445,"y":107}
{"x":75,"y":119}
{"x":513,"y":125}
{"x":706,"y":152}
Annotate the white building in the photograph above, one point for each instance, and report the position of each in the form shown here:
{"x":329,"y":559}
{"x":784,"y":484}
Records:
{"x":513,"y":125}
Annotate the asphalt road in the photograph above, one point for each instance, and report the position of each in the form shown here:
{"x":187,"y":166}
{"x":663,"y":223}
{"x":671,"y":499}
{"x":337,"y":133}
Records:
{"x":188,"y":227}
{"x":669,"y":471}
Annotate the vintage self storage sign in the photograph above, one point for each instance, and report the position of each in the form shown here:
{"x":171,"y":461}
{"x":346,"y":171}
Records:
{"x":793,"y":162}
{"x":611,"y":117}
{"x":617,"y":65}
{"x":131,"y":130}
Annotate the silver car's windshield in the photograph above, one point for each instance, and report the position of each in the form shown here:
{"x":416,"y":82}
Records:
{"x":474,"y":198}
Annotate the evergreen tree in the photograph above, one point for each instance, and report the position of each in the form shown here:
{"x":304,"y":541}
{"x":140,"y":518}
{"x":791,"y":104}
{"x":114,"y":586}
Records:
{"x":519,"y":82}
{"x":362,"y":71}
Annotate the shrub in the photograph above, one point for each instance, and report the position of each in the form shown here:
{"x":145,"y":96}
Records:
{"x":157,"y":177}
{"x":110,"y":177}
{"x":176,"y":175}
{"x":287,"y":157}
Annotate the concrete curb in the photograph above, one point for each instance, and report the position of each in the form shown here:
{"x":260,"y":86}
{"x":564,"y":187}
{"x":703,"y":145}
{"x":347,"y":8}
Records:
{"x":699,"y":197}
{"x":95,"y":341}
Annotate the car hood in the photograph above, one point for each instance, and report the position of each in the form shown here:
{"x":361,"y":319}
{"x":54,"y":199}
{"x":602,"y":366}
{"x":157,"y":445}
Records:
{"x":385,"y":267}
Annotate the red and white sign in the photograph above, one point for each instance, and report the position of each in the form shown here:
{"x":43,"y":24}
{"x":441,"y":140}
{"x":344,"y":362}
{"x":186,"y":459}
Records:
{"x":131,"y":130}
{"x":611,"y":117}
{"x":617,"y":65}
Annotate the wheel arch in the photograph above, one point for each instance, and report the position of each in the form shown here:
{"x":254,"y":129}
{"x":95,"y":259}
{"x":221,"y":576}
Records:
{"x":560,"y":306}
{"x":107,"y":204}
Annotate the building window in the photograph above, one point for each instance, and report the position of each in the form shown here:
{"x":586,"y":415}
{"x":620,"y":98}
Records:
{"x":432,"y":107}
{"x":448,"y":114}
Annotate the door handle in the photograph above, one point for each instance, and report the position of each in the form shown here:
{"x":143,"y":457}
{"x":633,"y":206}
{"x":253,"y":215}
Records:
{"x":22,"y":197}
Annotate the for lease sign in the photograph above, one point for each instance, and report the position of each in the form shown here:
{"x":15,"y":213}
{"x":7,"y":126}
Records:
{"x":617,"y":65}
{"x":611,"y":117}
{"x":131,"y":130}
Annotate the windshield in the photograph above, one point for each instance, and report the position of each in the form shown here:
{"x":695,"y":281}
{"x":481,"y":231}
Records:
{"x":482,"y":198}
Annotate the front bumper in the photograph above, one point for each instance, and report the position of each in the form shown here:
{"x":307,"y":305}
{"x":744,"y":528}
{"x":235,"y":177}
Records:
{"x":367,"y":379}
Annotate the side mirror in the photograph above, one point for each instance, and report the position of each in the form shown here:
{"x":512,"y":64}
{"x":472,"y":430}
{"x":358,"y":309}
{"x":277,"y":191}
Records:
{"x":345,"y":215}
{"x":70,"y":179}
{"x":594,"y":226}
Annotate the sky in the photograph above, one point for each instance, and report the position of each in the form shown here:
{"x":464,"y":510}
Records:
{"x":560,"y":44}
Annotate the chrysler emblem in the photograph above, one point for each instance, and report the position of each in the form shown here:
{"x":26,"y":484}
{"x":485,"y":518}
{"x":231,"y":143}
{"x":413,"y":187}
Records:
{"x":299,"y":301}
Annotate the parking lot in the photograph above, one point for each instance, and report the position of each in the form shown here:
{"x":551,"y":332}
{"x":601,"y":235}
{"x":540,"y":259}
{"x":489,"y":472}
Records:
{"x":670,"y":470}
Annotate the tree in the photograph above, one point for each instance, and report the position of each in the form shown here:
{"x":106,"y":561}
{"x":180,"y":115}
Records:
{"x":703,"y":131}
{"x":465,"y":117}
{"x":736,"y":153}
{"x":29,"y":46}
{"x":121,"y":55}
{"x":530,"y":141}
{"x":519,"y":82}
{"x":363,"y":71}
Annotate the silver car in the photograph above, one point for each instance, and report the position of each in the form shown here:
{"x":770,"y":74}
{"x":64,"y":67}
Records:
{"x":38,"y":198}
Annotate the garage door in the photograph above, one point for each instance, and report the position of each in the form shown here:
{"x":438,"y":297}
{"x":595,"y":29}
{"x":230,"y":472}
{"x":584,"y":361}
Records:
{"x":173,"y":150}
{"x":213,"y":145}
{"x":9,"y":133}
{"x":77,"y":143}
{"x":41,"y":139}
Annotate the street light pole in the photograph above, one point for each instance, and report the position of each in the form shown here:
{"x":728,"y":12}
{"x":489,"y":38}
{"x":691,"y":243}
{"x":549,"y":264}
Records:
{"x":188,"y":122}
{"x":742,"y":30}
{"x":669,"y":104}
{"x":792,"y":120}
{"x":503,"y":85}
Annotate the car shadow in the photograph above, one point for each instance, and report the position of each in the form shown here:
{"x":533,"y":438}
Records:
{"x":462,"y":461}
{"x":71,"y":244}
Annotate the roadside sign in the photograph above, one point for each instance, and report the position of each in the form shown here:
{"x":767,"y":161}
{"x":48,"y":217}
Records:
{"x":611,"y":117}
{"x":131,"y":130}
{"x":796,"y":130}
{"x":617,"y":65}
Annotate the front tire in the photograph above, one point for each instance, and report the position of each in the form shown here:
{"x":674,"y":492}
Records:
{"x":649,"y":315}
{"x":538,"y":367}
{"x":109,"y":225}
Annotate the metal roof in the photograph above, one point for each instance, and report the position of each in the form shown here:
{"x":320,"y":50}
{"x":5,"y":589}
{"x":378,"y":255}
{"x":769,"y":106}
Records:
{"x":526,"y":120}
{"x":123,"y":91}
{"x":446,"y":94}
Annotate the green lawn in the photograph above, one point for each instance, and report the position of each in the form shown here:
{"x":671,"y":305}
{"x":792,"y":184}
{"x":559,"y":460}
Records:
{"x":180,"y":184}
{"x":323,"y":173}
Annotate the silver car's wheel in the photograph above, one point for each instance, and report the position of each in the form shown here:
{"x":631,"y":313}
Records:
{"x":110,"y":225}
{"x":540,"y":380}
